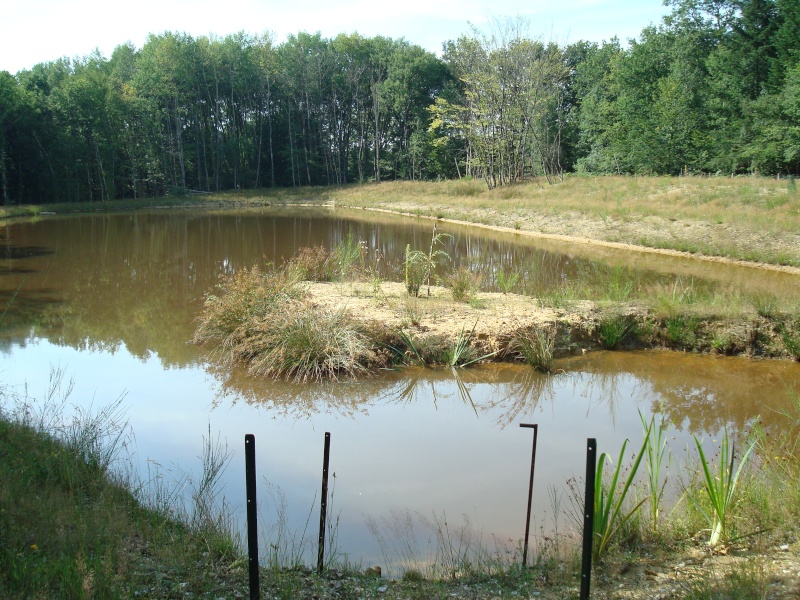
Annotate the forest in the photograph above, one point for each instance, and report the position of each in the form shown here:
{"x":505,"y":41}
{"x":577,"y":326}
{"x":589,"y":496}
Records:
{"x":712,"y":89}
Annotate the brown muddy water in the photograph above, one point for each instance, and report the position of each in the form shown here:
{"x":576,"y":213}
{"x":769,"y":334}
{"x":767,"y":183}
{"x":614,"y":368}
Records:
{"x":112,"y":301}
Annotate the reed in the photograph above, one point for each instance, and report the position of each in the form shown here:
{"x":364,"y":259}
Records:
{"x":719,"y":485}
{"x":610,"y":510}
{"x":657,"y":458}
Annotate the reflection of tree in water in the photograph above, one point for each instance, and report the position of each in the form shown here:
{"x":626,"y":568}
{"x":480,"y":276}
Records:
{"x":698,"y":394}
{"x":526,"y":392}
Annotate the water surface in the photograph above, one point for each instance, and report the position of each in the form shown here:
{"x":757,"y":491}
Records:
{"x":113,"y":300}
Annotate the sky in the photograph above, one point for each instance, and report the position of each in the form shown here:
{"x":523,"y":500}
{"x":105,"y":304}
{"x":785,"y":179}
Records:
{"x":35,"y":31}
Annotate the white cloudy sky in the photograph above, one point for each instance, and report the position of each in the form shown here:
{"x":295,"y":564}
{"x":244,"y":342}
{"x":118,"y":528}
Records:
{"x":33,"y":31}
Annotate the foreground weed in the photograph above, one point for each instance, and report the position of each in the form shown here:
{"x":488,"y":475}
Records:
{"x":657,"y":457}
{"x":720,"y":488}
{"x":610,"y":510}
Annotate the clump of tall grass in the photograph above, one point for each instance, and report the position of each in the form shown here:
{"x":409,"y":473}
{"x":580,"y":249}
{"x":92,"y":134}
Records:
{"x":612,"y":508}
{"x":657,"y":458}
{"x":765,"y":304}
{"x":260,"y":319}
{"x":462,"y":353}
{"x":534,"y":345}
{"x":243,"y":298}
{"x":790,"y":335}
{"x":306,"y":343}
{"x":314,"y":263}
{"x":506,"y":280}
{"x":613,"y":329}
{"x":719,"y":488}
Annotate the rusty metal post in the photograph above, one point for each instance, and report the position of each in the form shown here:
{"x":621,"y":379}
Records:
{"x":252,"y":514}
{"x":535,"y":428}
{"x":588,"y":518}
{"x":323,"y":504}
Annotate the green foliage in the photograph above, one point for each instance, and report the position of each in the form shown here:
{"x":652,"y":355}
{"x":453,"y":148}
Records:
{"x":656,"y":452}
{"x":720,"y":488}
{"x":613,"y":329}
{"x":419,"y":266}
{"x":462,"y":353}
{"x":463,"y":284}
{"x":506,"y":280}
{"x":790,"y":334}
{"x":611,"y":509}
{"x":535,"y":345}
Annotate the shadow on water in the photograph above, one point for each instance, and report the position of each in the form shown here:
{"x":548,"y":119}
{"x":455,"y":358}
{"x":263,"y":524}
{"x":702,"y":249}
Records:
{"x":9,"y":252}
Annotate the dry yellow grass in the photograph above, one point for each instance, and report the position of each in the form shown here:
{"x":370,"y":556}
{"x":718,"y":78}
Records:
{"x":744,"y":218}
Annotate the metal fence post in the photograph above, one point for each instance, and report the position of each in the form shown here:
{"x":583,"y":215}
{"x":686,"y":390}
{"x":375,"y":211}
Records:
{"x":323,"y":504}
{"x":535,"y":428}
{"x":588,"y":518}
{"x":252,"y":514}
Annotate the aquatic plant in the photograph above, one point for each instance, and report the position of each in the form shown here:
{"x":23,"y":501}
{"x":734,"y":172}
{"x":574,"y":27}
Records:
{"x":720,"y":488}
{"x":656,"y":451}
{"x":610,"y":510}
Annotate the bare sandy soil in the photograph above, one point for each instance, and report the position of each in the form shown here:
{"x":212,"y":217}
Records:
{"x":491,"y":317}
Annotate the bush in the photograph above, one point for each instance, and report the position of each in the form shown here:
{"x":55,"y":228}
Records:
{"x":463,"y":284}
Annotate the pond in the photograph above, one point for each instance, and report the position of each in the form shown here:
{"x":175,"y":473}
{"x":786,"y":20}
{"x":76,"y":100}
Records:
{"x":112,"y":301}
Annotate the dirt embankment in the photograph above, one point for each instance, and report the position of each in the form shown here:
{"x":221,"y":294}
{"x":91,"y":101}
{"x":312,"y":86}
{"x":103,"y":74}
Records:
{"x":494,"y":319}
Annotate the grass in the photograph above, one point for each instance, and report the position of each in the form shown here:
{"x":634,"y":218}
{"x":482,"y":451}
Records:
{"x":534,"y":345}
{"x":611,"y":511}
{"x":76,"y":524}
{"x":260,"y":318}
{"x":463,"y":284}
{"x":720,"y":486}
{"x":75,"y":521}
{"x":613,"y":329}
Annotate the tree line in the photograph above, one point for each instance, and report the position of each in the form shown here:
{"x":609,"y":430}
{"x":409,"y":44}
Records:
{"x":713,"y":88}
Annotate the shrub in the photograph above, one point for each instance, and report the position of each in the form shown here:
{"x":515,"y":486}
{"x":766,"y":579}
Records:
{"x":463,"y":284}
{"x":314,"y":264}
